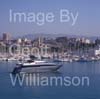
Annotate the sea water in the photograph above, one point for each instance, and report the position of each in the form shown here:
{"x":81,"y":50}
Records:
{"x":74,"y":69}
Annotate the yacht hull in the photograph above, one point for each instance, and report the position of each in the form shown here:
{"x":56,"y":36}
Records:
{"x":36,"y":68}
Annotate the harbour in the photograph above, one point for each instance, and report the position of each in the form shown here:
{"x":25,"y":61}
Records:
{"x":49,"y":49}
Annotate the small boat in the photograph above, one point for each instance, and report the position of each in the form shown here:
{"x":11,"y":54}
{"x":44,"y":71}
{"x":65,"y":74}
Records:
{"x":9,"y":59}
{"x":67,"y":60}
{"x":83,"y":60}
{"x":36,"y":66}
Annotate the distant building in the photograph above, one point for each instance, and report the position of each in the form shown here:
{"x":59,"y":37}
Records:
{"x":6,"y":37}
{"x":19,"y":40}
{"x":87,"y":41}
{"x":97,"y":52}
{"x":84,"y":40}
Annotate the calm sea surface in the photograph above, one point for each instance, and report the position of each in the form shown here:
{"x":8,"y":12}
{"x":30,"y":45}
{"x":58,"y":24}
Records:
{"x":89,"y":69}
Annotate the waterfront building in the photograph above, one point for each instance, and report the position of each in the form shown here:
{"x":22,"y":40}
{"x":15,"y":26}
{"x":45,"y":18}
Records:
{"x":6,"y":37}
{"x":97,"y":52}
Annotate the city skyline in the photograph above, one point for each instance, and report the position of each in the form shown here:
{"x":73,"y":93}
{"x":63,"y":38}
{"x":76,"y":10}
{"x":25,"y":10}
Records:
{"x":87,"y":22}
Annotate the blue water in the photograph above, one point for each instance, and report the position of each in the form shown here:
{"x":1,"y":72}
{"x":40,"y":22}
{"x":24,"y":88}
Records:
{"x":89,"y":69}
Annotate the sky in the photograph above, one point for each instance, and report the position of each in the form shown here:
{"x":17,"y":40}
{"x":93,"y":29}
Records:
{"x":88,"y":20}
